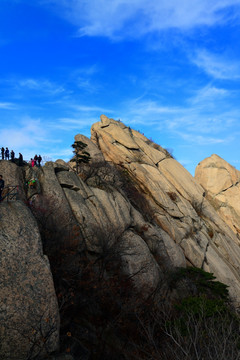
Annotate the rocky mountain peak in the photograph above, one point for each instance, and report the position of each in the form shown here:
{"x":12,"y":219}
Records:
{"x":131,"y":212}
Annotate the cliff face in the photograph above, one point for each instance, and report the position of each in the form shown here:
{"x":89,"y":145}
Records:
{"x":179,"y":208}
{"x":29,"y":316}
{"x":133,"y":208}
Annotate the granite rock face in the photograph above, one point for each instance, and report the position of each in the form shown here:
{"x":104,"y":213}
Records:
{"x":29,"y":318}
{"x":178,"y":206}
{"x":132,"y":204}
{"x":221,"y":182}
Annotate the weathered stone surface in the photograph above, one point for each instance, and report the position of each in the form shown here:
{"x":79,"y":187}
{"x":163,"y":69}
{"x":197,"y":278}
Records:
{"x":13,"y":176}
{"x":138,"y":262}
{"x":221,"y":181}
{"x":60,"y":165}
{"x":105,"y":217}
{"x":92,"y":149}
{"x":177,"y":202}
{"x":29,"y":319}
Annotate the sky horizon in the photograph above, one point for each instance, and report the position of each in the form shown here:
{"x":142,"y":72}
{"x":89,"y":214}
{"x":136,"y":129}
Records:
{"x":169,"y":69}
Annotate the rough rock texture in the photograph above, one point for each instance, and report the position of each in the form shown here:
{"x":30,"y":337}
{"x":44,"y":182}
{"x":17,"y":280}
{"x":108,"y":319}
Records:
{"x":13,"y":176}
{"x":221,"y":182}
{"x":132,"y":206}
{"x":29,"y":316}
{"x":175,"y":200}
{"x":29,"y":320}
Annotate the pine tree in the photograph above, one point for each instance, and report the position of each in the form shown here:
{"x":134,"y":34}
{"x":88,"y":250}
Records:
{"x":80,"y":155}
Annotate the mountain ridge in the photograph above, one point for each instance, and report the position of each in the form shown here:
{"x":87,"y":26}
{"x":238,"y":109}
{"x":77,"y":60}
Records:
{"x":132,"y":204}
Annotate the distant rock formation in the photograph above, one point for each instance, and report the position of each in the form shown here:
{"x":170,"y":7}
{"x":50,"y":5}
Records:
{"x":222,"y":184}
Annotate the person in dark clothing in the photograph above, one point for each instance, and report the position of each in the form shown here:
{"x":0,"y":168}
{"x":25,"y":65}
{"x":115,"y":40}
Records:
{"x":20,"y":160}
{"x":7,"y":154}
{"x":12,"y":155}
{"x":3,"y":152}
{"x":35,"y":159}
{"x":1,"y":186}
{"x":39,"y":159}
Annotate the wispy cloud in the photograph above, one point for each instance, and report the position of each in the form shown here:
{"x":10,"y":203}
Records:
{"x":84,"y":108}
{"x":120,"y":18}
{"x":203,"y":140}
{"x":217,"y":66}
{"x":7,"y":106}
{"x":27,"y":133}
{"x":208,"y":94}
{"x":208,"y":112}
{"x":41,"y":85}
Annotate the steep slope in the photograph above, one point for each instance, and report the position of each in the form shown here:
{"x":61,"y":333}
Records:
{"x":177,"y":202}
{"x":29,"y":317}
{"x":221,"y":182}
{"x":128,"y":218}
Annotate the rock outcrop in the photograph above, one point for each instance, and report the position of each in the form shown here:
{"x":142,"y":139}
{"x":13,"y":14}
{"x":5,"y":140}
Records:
{"x":177,"y":203}
{"x":132,"y":210}
{"x":221,"y":182}
{"x":29,"y":316}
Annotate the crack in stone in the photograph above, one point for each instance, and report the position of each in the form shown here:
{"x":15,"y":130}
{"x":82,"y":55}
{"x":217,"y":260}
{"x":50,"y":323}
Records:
{"x":205,"y":255}
{"x":227,"y":188}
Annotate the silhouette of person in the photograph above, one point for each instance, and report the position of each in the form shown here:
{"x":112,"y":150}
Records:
{"x":3,"y":152}
{"x":12,"y":155}
{"x":20,"y":160}
{"x":7,"y":154}
{"x":39,"y":159}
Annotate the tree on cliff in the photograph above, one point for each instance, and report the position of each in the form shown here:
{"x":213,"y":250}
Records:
{"x":80,"y":155}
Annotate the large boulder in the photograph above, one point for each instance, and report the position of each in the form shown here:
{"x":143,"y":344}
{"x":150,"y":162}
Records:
{"x":221,"y":181}
{"x":29,"y":318}
{"x":13,"y":177}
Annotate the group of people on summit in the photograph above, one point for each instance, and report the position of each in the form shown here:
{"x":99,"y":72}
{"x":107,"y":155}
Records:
{"x":36,"y":161}
{"x":5,"y":154}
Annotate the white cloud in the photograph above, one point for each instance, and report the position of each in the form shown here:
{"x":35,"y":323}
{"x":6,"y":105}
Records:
{"x":217,"y":66}
{"x":209,"y":94}
{"x":207,"y":115}
{"x":120,"y":18}
{"x":203,"y":140}
{"x":28,"y":133}
{"x":41,"y":85}
{"x":7,"y":106}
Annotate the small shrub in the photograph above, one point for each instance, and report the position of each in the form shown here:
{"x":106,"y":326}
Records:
{"x":172,"y":195}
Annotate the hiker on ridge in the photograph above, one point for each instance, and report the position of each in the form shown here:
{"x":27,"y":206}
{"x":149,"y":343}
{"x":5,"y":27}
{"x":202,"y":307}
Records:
{"x":3,"y":152}
{"x":39,"y":159}
{"x":20,"y":160}
{"x":7,"y":154}
{"x":35,"y":159}
{"x":12,"y":155}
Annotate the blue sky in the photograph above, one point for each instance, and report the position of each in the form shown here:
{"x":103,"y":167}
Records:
{"x":168,"y":68}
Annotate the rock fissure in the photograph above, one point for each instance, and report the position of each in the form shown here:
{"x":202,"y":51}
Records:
{"x":227,"y":189}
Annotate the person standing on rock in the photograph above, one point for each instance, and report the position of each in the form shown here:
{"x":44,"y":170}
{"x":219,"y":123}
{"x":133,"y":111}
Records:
{"x":12,"y":155}
{"x":7,"y":154}
{"x":35,"y":159}
{"x":3,"y":152}
{"x":20,"y":160}
{"x":1,"y":186}
{"x":39,"y":159}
